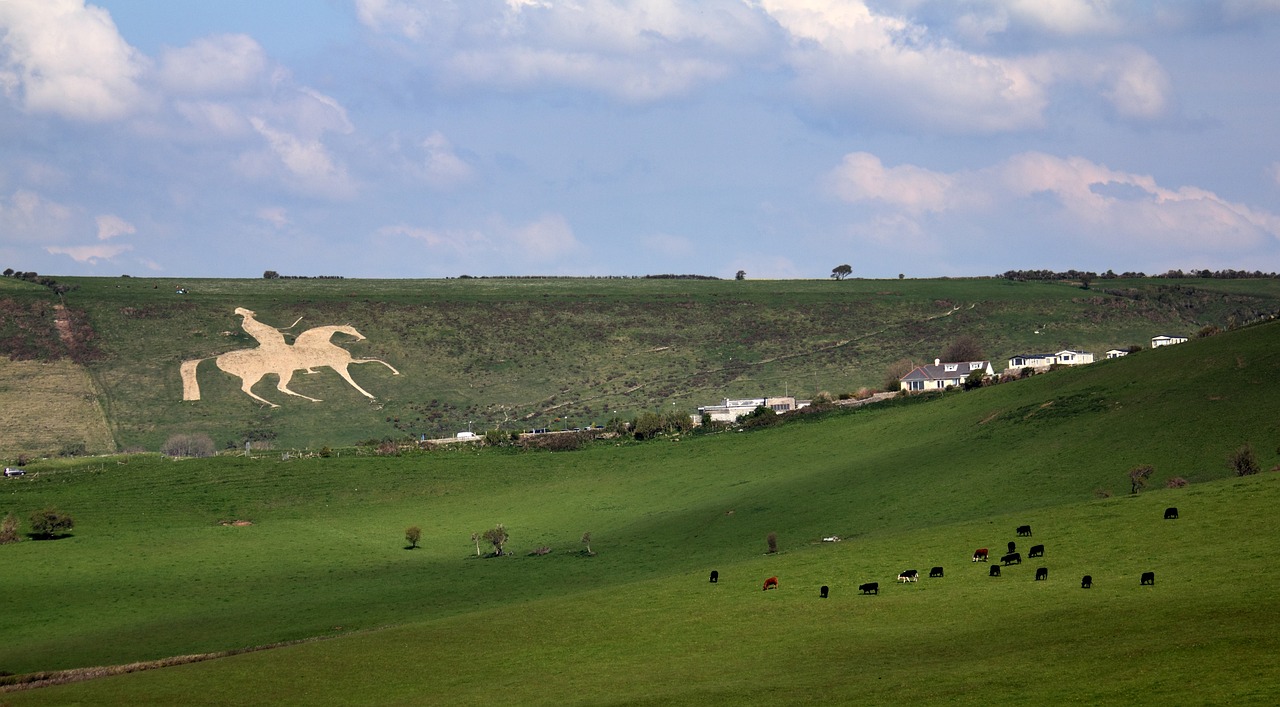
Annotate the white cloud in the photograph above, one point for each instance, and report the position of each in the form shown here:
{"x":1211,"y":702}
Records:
{"x":307,"y":164}
{"x":110,"y":226}
{"x":214,"y":65}
{"x":1062,"y":199}
{"x":26,"y":216}
{"x":443,"y":168}
{"x":90,"y":253}
{"x":275,"y":215}
{"x":544,"y":240}
{"x":68,"y":59}
{"x":1067,"y":17}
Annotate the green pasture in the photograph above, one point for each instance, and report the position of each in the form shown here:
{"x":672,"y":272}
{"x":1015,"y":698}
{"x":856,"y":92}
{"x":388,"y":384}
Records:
{"x":149,"y":572}
{"x":520,"y":354}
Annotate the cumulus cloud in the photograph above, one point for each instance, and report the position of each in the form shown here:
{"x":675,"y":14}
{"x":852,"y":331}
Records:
{"x":1071,"y":198}
{"x":66,"y":58}
{"x":26,"y":216}
{"x":110,"y":226}
{"x":443,"y":168}
{"x":90,"y":254}
{"x":219,"y":64}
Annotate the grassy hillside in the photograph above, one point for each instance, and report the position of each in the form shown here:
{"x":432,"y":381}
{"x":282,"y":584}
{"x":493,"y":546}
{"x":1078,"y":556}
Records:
{"x":150,"y":573}
{"x":518,"y":354}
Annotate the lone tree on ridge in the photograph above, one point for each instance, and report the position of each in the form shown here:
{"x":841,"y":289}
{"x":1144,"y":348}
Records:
{"x":840,"y":272}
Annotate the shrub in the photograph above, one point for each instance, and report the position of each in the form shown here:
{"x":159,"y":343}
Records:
{"x":72,"y":449}
{"x":387,"y":448}
{"x":1138,"y":476}
{"x":184,"y":445}
{"x":1101,"y":493}
{"x":49,"y":522}
{"x":1176,"y":482}
{"x":544,"y":550}
{"x":772,"y":540}
{"x":9,"y":530}
{"x":326,"y":452}
{"x":496,"y":536}
{"x":822,"y":398}
{"x":412,"y":535}
{"x":1243,"y":461}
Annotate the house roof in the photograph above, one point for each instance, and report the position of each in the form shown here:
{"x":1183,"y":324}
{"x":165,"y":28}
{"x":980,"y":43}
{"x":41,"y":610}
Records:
{"x":939,"y":371}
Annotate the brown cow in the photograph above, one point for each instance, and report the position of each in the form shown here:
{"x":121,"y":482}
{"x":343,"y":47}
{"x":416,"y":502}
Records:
{"x":771,"y":583}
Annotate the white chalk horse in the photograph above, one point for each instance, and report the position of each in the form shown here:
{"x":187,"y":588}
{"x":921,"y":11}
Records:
{"x":312,"y":349}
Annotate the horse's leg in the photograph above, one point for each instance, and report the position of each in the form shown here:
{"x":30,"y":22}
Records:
{"x":283,"y":385}
{"x":247,"y":386}
{"x":376,"y":360}
{"x":341,"y":368}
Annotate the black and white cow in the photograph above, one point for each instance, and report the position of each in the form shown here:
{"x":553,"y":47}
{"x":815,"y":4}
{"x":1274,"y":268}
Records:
{"x":908,"y":576}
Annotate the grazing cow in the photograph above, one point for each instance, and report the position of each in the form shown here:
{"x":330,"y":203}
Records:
{"x":1086,"y":582}
{"x":822,"y":592}
{"x":980,"y":554}
{"x":935,"y":572}
{"x":909,"y":576}
{"x":771,"y":583}
{"x":995,"y":571}
{"x":1042,"y":573}
{"x":1171,"y":513}
{"x":1013,"y":547}
{"x":869,"y":588}
{"x":1149,"y":578}
{"x":1012,"y":558}
{"x":1024,"y":531}
{"x":715,"y":576}
{"x":1036,"y":551}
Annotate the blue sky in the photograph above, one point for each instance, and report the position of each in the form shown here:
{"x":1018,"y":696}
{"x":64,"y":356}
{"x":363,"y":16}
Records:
{"x":429,"y":138}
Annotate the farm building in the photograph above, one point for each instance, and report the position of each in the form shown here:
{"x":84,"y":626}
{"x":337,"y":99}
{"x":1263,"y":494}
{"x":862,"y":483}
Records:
{"x":730,"y":410}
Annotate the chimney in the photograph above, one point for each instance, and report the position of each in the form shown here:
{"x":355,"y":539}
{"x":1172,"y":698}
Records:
{"x":937,"y":362}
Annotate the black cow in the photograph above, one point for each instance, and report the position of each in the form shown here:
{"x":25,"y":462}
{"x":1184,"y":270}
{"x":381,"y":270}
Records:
{"x":1171,"y":513}
{"x":1042,"y":573}
{"x":1024,"y":531}
{"x":1086,"y":582}
{"x":1013,"y":547}
{"x":1036,"y":551}
{"x":1149,"y":578}
{"x":995,"y":571}
{"x":869,"y":588}
{"x":935,"y":572}
{"x":1012,"y":558}
{"x":823,"y":592}
{"x":715,"y":576}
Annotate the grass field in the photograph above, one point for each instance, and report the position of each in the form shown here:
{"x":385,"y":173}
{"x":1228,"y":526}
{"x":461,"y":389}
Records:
{"x":149,"y":573}
{"x":520,"y":354}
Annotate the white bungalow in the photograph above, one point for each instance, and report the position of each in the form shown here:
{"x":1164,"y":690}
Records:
{"x":1167,"y":340}
{"x":940,"y":376}
{"x":730,"y":410}
{"x":1074,"y":358}
{"x":1117,"y":353}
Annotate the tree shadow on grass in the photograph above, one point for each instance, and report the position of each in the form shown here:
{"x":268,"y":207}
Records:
{"x":55,"y":536}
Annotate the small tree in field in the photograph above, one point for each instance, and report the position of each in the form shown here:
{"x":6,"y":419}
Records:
{"x":475,"y":538}
{"x":497,"y":536}
{"x":772,"y":540}
{"x":894,"y":373}
{"x":9,"y":530}
{"x":412,"y":535}
{"x":49,"y":522}
{"x":840,"y":272}
{"x":586,"y":540}
{"x":1244,"y":462}
{"x":1138,"y":476}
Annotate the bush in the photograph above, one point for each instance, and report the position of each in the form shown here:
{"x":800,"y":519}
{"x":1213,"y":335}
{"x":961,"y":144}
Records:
{"x":184,"y":445}
{"x":9,"y":530}
{"x":772,"y":540}
{"x":49,"y":522}
{"x":326,"y":452}
{"x":72,"y":449}
{"x":1243,"y":461}
{"x":412,"y":535}
{"x":1176,"y":482}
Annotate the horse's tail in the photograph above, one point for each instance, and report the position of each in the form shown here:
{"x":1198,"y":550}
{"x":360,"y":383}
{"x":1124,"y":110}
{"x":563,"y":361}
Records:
{"x":190,"y":384}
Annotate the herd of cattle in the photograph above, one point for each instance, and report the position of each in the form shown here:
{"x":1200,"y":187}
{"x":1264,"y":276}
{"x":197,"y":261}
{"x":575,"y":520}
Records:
{"x":1012,"y":557}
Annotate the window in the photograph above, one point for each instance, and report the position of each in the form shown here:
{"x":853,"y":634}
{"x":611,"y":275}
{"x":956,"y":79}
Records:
{"x":915,"y":385}
{"x":950,"y":366}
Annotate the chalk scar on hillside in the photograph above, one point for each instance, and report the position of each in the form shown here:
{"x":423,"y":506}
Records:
{"x":311,"y":349}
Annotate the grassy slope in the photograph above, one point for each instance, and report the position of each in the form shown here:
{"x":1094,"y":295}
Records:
{"x":526,"y":353}
{"x":148,"y":574}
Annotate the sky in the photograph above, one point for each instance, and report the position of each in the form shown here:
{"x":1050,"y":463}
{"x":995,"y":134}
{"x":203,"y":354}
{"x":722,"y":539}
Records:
{"x":437,"y":138}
